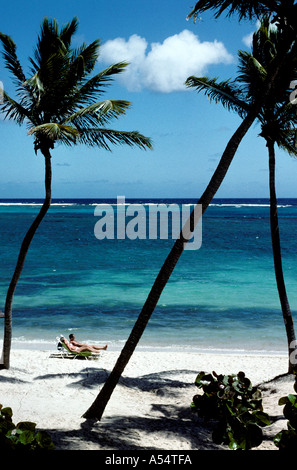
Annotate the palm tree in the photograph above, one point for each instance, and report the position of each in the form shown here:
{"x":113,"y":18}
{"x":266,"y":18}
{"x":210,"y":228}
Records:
{"x":278,"y":120}
{"x":278,"y":129}
{"x":59,"y":104}
{"x":284,"y":11}
{"x":249,"y":113}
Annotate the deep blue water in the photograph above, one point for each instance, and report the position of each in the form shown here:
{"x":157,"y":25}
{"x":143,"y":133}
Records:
{"x":222,"y":296}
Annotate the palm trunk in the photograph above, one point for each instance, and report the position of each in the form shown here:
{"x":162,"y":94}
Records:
{"x":277,"y":258}
{"x":97,"y":408}
{"x":21,"y":260}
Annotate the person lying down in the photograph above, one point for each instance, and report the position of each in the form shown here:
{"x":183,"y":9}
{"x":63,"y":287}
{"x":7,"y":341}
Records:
{"x":74,"y":346}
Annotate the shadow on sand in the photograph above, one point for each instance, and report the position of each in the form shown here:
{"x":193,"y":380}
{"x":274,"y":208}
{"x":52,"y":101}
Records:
{"x":123,"y":432}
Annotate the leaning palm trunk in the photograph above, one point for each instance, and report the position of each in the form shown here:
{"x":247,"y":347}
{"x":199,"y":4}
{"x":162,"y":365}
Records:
{"x":276,"y":248}
{"x":97,"y":408}
{"x":21,"y":260}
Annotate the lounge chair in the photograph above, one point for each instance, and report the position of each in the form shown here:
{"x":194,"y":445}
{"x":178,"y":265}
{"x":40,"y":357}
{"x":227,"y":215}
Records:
{"x":65,"y":352}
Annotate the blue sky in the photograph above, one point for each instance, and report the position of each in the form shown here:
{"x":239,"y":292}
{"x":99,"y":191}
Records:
{"x":189,"y":134}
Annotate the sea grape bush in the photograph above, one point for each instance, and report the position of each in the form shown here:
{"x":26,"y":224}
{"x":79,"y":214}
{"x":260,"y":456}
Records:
{"x":235,"y":406}
{"x":287,"y":439}
{"x":22,"y":436}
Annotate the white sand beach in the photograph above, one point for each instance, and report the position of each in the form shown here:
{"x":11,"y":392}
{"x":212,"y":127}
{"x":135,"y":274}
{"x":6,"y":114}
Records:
{"x":150,"y":407}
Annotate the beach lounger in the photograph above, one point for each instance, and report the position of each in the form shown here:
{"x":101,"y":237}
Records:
{"x":65,"y":352}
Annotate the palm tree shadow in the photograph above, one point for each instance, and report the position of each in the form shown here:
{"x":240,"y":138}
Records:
{"x":161,"y":421}
{"x":166,"y":419}
{"x":92,"y":378}
{"x":124,"y":433}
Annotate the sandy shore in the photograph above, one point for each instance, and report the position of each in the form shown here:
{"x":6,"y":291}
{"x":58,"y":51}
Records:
{"x":149,"y":409}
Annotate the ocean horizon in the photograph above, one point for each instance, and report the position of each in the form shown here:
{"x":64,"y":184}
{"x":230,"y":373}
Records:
{"x":220,"y":297}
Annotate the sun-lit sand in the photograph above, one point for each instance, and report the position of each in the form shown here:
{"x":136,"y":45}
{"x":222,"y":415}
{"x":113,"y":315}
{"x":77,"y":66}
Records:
{"x":150,"y":407}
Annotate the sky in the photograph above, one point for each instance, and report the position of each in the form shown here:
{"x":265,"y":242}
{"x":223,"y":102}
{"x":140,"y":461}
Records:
{"x":189,"y":134}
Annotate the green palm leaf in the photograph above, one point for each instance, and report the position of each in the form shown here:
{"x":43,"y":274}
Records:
{"x":226,"y":92}
{"x":54,"y":132}
{"x":60,"y":98}
{"x":14,"y":110}
{"x":90,"y":88}
{"x":104,"y":137}
{"x":68,"y":31}
{"x":11,"y":61}
{"x":98,"y":113}
{"x":244,"y":9}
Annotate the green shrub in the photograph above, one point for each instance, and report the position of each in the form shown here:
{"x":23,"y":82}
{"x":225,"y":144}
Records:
{"x":287,"y":439}
{"x":235,"y":406}
{"x":22,"y":436}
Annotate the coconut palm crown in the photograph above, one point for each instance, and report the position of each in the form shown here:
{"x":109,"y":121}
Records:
{"x":278,"y":114}
{"x":59,"y":100}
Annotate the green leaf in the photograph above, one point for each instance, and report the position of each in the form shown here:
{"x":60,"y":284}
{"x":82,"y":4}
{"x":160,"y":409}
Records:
{"x":6,"y":412}
{"x":6,"y":426}
{"x":292,"y":399}
{"x":26,"y":426}
{"x":26,"y":437}
{"x":44,"y":441}
{"x":233,"y":445}
{"x":283,"y":401}
{"x":56,"y":132}
{"x":262,"y":418}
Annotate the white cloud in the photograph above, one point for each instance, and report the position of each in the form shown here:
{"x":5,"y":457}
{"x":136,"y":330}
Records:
{"x":248,"y":39}
{"x":164,"y":67}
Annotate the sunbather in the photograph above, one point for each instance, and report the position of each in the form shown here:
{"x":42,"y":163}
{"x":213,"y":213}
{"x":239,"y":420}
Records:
{"x":78,"y":349}
{"x":80,"y":345}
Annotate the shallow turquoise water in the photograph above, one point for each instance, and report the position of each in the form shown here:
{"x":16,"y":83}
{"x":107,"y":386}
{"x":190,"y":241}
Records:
{"x":220,"y":297}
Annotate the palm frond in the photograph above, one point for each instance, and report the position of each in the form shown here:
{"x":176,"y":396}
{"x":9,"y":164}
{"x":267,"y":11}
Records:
{"x":98,"y":113}
{"x":35,"y":83}
{"x":94,"y":86}
{"x":13,"y":110}
{"x":87,"y":55}
{"x":73,"y":95}
{"x":287,"y":141}
{"x":47,"y":41}
{"x":104,"y":137}
{"x":55,"y":132}
{"x":227,"y":93}
{"x":286,"y":113}
{"x":68,"y":31}
{"x":245,"y":9}
{"x":11,"y":61}
{"x":252,"y":75}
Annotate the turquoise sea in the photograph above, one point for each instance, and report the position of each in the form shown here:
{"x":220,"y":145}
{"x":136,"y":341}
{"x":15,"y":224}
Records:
{"x":221,"y":297}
